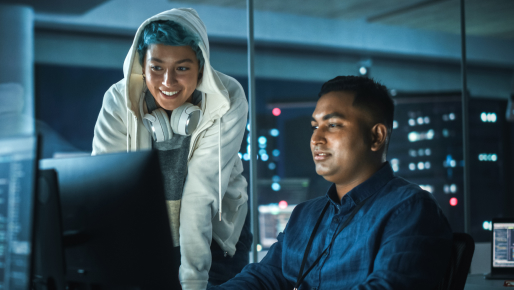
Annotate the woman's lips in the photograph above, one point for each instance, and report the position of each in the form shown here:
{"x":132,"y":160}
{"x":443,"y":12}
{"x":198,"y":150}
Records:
{"x":169,"y":94}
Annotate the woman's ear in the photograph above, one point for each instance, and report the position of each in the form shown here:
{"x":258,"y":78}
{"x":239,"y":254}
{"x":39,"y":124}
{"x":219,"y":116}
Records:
{"x":378,"y":136}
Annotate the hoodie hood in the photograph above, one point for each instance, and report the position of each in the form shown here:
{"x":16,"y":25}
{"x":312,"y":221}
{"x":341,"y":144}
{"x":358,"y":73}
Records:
{"x":217,"y":96}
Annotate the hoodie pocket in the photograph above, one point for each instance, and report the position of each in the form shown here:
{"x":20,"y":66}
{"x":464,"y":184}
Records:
{"x":231,"y":207}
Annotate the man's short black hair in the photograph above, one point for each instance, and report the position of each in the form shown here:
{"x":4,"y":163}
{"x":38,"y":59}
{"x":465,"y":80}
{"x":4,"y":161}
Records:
{"x":370,"y":96}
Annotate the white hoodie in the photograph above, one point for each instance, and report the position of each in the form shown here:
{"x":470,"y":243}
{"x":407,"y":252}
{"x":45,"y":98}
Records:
{"x":214,"y":147}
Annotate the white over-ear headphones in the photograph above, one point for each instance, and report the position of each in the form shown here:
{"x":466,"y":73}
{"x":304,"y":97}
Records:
{"x":183,"y":120}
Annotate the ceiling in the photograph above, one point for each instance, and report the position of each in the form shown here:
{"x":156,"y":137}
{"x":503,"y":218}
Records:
{"x":493,"y":18}
{"x":58,"y":6}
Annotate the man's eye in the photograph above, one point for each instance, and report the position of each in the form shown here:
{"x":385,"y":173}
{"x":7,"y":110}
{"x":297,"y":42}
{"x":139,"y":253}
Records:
{"x":333,"y":125}
{"x":156,"y":68}
{"x":182,"y":68}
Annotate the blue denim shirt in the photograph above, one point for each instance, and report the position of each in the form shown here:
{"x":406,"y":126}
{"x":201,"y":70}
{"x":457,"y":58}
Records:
{"x":399,"y":239}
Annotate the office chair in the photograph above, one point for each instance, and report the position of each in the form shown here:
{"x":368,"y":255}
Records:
{"x":457,"y":272}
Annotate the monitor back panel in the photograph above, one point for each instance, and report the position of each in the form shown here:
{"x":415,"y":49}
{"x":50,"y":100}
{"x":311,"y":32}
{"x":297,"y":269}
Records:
{"x":116,"y":229}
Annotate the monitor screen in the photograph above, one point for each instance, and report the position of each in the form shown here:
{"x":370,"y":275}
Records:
{"x":273,"y":219}
{"x":503,"y":245}
{"x":17,"y":173}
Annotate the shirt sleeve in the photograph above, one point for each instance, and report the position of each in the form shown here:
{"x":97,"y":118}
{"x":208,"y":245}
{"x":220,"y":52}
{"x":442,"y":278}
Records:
{"x":415,"y":249}
{"x":264,"y":275}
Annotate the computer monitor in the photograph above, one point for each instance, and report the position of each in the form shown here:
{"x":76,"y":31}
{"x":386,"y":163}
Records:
{"x":503,"y":244}
{"x":273,"y":219}
{"x":115,"y":222}
{"x":17,"y":174}
{"x":502,"y":250}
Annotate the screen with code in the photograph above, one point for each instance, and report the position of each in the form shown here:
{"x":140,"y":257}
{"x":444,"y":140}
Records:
{"x":503,"y":245}
{"x":17,"y":173}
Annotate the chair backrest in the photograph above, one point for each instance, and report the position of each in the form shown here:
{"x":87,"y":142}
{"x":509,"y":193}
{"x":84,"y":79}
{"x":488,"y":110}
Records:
{"x":457,"y":272}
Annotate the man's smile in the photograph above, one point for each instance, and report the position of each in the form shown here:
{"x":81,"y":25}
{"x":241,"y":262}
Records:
{"x":321,"y":155}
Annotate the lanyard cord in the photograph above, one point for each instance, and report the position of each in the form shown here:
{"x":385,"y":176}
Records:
{"x":302,"y":276}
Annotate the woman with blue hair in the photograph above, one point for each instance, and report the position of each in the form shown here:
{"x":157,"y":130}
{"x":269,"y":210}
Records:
{"x":171,"y":100}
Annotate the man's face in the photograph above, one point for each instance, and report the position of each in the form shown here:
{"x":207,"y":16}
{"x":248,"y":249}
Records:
{"x":341,"y":138}
{"x":171,"y":74}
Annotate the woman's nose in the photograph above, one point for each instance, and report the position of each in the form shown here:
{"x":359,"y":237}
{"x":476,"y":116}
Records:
{"x":169,"y":78}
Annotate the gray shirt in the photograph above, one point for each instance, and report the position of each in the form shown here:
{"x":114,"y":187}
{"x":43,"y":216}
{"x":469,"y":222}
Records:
{"x":172,"y":155}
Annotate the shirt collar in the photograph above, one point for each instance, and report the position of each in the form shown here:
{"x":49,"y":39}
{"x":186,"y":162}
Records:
{"x":365,"y":189}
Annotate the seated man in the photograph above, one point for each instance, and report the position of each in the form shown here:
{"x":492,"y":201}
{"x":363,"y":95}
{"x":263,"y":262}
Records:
{"x":372,"y":230}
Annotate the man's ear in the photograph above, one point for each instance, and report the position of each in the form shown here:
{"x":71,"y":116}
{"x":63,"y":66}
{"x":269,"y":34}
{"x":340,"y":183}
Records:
{"x":378,"y":136}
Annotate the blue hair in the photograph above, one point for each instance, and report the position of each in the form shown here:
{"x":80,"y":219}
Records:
{"x":169,"y":33}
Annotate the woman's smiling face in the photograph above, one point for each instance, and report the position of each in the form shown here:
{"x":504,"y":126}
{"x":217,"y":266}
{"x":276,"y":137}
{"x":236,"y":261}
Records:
{"x":172,"y":73}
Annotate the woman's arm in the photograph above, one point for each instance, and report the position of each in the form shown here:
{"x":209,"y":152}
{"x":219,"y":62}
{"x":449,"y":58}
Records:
{"x":111,"y":127}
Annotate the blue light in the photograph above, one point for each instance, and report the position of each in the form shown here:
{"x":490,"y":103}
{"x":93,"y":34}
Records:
{"x":276,"y":152}
{"x":275,"y":178}
{"x":240,"y":155}
{"x":413,"y":136}
{"x":488,"y":117}
{"x":263,"y":145}
{"x":246,"y":157}
{"x":363,"y":70}
{"x":272,"y":166}
{"x":262,"y":140}
{"x":248,"y":139}
{"x":488,"y":157}
{"x":275,"y":186}
{"x":483,"y":116}
{"x":248,"y":127}
{"x":274,"y":132}
{"x":262,"y":151}
{"x":264,"y":157}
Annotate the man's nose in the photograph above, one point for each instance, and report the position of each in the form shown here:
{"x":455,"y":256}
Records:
{"x":317,"y":136}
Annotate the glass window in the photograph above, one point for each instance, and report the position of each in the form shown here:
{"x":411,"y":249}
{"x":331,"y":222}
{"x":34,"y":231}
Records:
{"x":490,"y":81}
{"x":412,"y":48}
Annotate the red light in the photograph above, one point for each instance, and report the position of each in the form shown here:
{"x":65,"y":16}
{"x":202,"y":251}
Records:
{"x":453,"y":201}
{"x":282,"y":204}
{"x":276,"y":112}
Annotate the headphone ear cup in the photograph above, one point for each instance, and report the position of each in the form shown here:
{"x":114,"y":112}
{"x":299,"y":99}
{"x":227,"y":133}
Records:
{"x":160,"y":125}
{"x":185,"y":119}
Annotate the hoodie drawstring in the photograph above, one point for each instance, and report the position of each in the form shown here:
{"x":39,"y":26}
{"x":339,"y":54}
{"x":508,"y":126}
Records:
{"x":219,"y":163}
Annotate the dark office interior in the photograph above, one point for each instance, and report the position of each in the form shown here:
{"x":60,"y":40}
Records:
{"x":67,"y":54}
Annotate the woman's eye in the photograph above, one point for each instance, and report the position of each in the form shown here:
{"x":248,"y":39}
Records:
{"x":313,"y":127}
{"x":333,"y":125}
{"x":182,"y":68}
{"x":156,"y":68}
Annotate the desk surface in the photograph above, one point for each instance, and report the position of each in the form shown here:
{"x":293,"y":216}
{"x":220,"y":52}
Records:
{"x":477,"y":282}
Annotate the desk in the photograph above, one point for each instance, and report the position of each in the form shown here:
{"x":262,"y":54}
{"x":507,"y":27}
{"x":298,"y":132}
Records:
{"x":477,"y":282}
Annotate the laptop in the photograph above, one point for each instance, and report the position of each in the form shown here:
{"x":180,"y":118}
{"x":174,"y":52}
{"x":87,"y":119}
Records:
{"x":502,"y":250}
